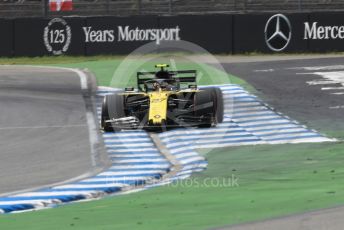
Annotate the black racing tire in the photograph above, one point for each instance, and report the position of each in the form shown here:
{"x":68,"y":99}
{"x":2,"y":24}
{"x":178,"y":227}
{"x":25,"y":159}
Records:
{"x":204,"y":104}
{"x":209,"y":101}
{"x":219,"y":105}
{"x":112,"y":108}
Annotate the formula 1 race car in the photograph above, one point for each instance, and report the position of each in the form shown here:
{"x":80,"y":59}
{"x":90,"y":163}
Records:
{"x":163,"y":99}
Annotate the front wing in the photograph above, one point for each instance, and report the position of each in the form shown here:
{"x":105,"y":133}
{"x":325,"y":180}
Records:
{"x":180,"y":121}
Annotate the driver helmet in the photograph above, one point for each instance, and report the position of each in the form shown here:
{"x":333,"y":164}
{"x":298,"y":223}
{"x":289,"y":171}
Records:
{"x":156,"y":86}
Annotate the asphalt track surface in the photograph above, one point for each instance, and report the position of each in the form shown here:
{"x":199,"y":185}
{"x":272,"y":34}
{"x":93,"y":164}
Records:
{"x":327,"y":219}
{"x":284,"y":85}
{"x":44,"y":137}
{"x":303,"y":94}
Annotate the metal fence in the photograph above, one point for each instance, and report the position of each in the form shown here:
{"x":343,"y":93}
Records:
{"x":20,"y":8}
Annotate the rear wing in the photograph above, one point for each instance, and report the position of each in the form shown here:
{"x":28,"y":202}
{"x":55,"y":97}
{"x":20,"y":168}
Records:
{"x":186,"y":77}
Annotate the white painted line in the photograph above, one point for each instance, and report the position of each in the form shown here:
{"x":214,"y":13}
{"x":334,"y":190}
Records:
{"x":192,"y":166}
{"x":131,"y":145}
{"x":111,"y":180}
{"x":189,"y":154}
{"x":229,"y":144}
{"x":95,"y":186}
{"x":337,"y":107}
{"x":127,"y":161}
{"x":332,"y":88}
{"x":120,"y":135}
{"x":338,"y":93}
{"x":106,"y":88}
{"x":204,"y":136}
{"x":151,"y":166}
{"x":317,"y":68}
{"x":60,"y":193}
{"x":287,"y":136}
{"x":82,"y":76}
{"x":126,"y":140}
{"x":191,"y":159}
{"x":253,"y":108}
{"x":249,"y":123}
{"x":336,"y":76}
{"x":93,"y":137}
{"x":298,"y":129}
{"x":186,"y":172}
{"x":247,"y":104}
{"x":254,"y":113}
{"x":303,"y":140}
{"x":175,"y":151}
{"x":204,"y":141}
{"x":252,"y":119}
{"x":40,"y":203}
{"x":164,"y":182}
{"x":137,"y":155}
{"x":321,"y":82}
{"x":196,"y":131}
{"x":257,"y":129}
{"x":183,"y":177}
{"x":235,"y":93}
{"x":128,"y":137}
{"x":263,"y":70}
{"x":231,"y":95}
{"x":131,"y":150}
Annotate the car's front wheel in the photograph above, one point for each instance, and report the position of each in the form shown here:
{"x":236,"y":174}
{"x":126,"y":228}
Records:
{"x":209,"y":104}
{"x":112,"y":108}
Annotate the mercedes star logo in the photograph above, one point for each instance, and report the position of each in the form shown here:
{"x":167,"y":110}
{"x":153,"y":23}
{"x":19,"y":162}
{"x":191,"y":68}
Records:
{"x":277,"y":32}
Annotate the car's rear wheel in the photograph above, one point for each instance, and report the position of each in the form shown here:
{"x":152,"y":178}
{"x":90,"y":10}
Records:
{"x":209,"y":103}
{"x":112,"y":108}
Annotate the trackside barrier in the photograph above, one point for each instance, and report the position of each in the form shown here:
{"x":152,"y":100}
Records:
{"x":219,"y":34}
{"x":7,"y":38}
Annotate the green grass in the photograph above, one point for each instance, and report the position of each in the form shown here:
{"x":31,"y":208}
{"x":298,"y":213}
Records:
{"x":274,"y":180}
{"x":104,"y":67}
{"x":107,"y":75}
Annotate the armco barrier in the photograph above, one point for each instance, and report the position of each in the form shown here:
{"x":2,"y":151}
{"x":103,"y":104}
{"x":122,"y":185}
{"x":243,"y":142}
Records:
{"x":219,"y":34}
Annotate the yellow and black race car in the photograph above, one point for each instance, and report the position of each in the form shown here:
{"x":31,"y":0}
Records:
{"x":163,"y":99}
